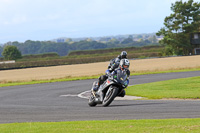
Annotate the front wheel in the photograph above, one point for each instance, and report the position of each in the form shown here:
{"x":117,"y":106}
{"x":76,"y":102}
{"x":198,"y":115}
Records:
{"x":110,"y":95}
{"x":92,"y":102}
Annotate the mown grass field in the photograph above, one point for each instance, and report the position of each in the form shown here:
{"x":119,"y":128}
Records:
{"x":94,"y":69}
{"x":108,"y":126}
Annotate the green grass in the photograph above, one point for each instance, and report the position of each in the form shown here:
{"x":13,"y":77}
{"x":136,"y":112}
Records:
{"x":184,"y":88}
{"x":10,"y":83}
{"x":110,"y":126}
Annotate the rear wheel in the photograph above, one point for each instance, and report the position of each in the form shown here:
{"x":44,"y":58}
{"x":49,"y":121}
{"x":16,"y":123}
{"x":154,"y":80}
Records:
{"x":110,"y":95}
{"x":92,"y":102}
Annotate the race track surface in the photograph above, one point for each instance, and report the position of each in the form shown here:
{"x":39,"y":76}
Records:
{"x":60,"y":102}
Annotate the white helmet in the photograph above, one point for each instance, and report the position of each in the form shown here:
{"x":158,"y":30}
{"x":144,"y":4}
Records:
{"x":124,"y":64}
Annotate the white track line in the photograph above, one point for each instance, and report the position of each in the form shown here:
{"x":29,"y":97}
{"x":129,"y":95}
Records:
{"x":82,"y":95}
{"x":68,"y":95}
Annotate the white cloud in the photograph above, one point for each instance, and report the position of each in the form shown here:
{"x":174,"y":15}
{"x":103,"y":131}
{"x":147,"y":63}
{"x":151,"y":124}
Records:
{"x":79,"y":17}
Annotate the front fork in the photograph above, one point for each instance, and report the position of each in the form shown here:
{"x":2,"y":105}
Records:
{"x":99,"y":95}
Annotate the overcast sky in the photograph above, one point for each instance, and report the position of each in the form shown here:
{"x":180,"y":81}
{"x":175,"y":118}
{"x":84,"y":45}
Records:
{"x":22,"y":20}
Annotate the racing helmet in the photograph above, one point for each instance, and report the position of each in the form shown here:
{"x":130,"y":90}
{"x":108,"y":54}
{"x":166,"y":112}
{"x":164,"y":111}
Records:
{"x":124,"y":64}
{"x":123,"y":54}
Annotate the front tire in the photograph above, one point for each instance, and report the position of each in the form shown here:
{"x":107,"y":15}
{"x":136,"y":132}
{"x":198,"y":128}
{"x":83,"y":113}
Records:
{"x":92,"y":102}
{"x":110,"y":95}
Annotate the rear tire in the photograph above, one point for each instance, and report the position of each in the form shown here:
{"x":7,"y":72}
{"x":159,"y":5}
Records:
{"x":110,"y":96}
{"x":92,"y":102}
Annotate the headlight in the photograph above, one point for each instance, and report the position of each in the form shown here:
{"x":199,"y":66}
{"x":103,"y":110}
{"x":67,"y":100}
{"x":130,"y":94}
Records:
{"x":126,"y":83}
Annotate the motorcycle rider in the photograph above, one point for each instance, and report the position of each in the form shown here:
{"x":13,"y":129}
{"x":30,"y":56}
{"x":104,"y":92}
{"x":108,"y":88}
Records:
{"x":124,"y":66}
{"x":114,"y":63}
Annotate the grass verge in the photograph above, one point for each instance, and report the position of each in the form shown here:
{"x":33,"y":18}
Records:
{"x":10,"y":83}
{"x":111,"y":126}
{"x":14,"y":83}
{"x":184,"y":88}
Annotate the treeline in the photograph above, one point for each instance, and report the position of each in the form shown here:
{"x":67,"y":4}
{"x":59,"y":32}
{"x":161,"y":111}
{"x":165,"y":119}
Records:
{"x":63,"y":48}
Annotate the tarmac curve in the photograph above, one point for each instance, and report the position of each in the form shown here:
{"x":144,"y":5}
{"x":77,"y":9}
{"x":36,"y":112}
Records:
{"x":60,"y":102}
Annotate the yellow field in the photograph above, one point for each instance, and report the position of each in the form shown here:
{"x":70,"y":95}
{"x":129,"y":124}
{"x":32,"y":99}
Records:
{"x":157,"y":64}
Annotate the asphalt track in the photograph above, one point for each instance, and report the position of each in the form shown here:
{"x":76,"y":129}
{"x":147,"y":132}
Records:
{"x":60,"y":102}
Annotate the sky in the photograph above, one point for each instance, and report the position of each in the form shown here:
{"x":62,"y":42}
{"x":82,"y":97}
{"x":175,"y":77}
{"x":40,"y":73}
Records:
{"x":43,"y":20}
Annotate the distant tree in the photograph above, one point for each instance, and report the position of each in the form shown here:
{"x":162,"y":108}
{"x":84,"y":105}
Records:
{"x":10,"y":52}
{"x":140,"y":40}
{"x":85,"y":45}
{"x":184,"y":20}
{"x":60,"y":48}
{"x":146,"y":41}
{"x":127,"y":40}
{"x":139,"y":36}
{"x":130,"y":36}
{"x":89,"y":40}
{"x":1,"y":50}
{"x":105,"y":39}
{"x":69,"y":40}
{"x":152,"y":39}
{"x":113,"y":41}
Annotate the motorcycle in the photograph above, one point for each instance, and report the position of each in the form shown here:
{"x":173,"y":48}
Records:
{"x":114,"y":86}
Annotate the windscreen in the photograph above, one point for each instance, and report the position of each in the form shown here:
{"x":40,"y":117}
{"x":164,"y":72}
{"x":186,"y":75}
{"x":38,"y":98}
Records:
{"x":121,"y":76}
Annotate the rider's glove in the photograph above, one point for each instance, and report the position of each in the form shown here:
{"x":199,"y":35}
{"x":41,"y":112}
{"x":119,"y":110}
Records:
{"x":108,"y":72}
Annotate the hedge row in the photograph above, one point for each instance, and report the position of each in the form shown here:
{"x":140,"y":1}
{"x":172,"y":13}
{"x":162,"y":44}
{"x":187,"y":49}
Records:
{"x":115,"y":50}
{"x":40,"y":55}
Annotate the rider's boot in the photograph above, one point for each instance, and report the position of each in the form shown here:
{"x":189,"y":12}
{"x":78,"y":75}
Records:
{"x":122,"y":93}
{"x":95,"y":86}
